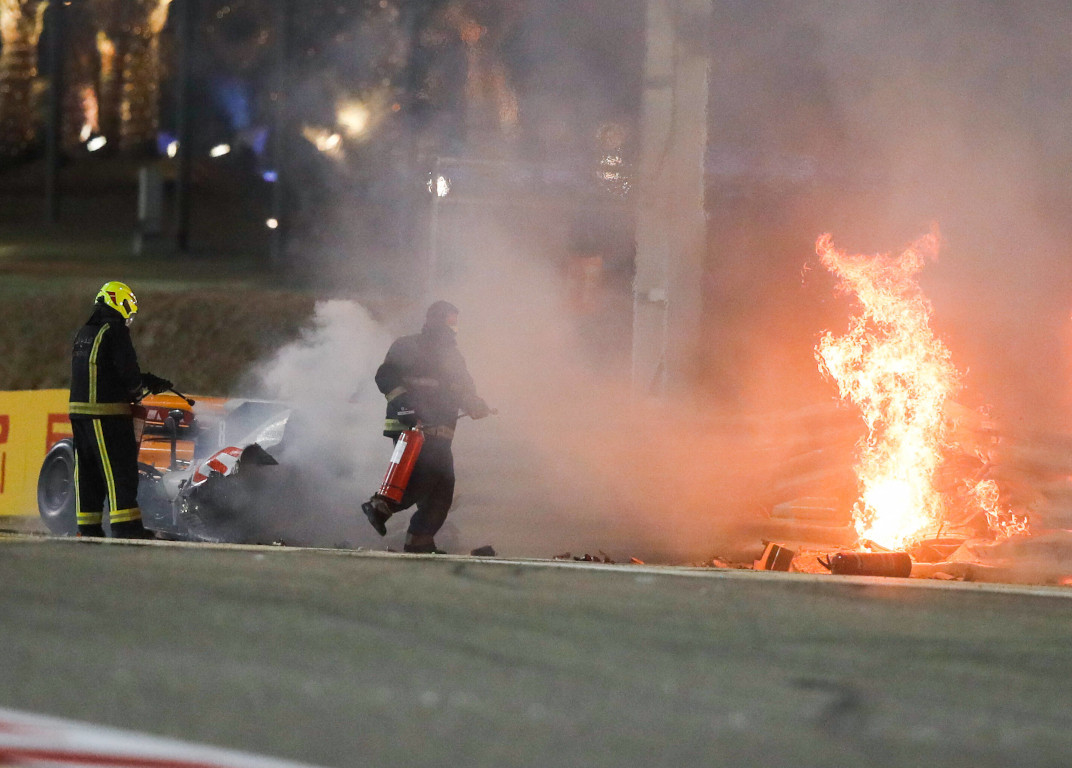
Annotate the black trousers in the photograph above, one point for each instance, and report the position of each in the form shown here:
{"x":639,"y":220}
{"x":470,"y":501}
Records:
{"x":431,"y":487}
{"x":105,"y":466}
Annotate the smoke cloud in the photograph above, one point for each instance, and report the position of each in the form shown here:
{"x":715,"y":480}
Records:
{"x":869,"y":120}
{"x":570,"y":464}
{"x":331,"y":446}
{"x":911,"y":115}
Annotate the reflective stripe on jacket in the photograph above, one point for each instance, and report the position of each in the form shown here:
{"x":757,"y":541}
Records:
{"x":105,"y":375}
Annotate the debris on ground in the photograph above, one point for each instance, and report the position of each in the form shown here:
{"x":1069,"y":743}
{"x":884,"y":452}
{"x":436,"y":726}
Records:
{"x":943,"y":576}
{"x":718,"y":561}
{"x":897,"y":564}
{"x":602,"y":557}
{"x":485,"y":551}
{"x":936,"y":550}
{"x":775,"y":558}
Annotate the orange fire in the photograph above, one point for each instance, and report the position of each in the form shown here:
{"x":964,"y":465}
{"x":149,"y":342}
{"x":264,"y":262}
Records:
{"x":893,"y":367}
{"x":901,"y":376}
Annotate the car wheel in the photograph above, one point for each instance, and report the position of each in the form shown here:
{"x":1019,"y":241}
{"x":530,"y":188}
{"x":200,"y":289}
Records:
{"x":55,"y":490}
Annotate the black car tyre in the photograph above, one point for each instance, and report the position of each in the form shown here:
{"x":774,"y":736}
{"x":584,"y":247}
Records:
{"x":55,"y":490}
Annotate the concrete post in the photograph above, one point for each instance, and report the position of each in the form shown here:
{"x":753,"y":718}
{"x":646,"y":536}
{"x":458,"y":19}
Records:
{"x":671,"y":232}
{"x":150,"y":206}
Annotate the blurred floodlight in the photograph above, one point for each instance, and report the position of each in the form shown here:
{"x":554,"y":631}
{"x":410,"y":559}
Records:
{"x":272,"y":223}
{"x":220,"y":150}
{"x":87,"y":131}
{"x":97,"y":142}
{"x":353,"y":117}
{"x":172,"y":149}
{"x":328,"y":142}
{"x":440,"y":185}
{"x":270,"y":176}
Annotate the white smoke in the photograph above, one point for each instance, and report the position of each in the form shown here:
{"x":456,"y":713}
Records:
{"x":570,"y":463}
{"x":333,"y":447}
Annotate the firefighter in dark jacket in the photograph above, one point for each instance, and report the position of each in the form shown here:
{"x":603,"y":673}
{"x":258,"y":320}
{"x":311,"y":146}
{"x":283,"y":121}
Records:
{"x":105,"y":380}
{"x":427,"y":384}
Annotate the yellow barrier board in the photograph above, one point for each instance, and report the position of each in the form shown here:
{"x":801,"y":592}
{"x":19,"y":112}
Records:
{"x":30,"y":423}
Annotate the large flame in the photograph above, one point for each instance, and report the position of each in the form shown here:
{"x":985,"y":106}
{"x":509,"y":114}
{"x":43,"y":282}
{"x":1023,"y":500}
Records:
{"x":900,"y":375}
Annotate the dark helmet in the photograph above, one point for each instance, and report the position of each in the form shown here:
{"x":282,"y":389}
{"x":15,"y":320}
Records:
{"x":438,"y":314}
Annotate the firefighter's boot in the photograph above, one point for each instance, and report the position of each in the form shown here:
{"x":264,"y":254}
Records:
{"x":130,"y":529}
{"x":378,"y":513}
{"x":421,"y":544}
{"x":91,"y":531}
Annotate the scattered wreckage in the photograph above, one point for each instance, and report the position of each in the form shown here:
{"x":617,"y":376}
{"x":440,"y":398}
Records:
{"x":202,"y":466}
{"x":808,"y":524}
{"x":206,"y":469}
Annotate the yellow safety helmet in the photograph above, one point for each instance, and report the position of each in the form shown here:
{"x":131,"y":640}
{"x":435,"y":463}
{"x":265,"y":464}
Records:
{"x":119,"y":297}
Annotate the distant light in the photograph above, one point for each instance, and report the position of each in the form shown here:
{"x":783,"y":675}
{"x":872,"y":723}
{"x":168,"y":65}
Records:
{"x":353,"y":117}
{"x":325,"y":140}
{"x":220,"y":150}
{"x":172,"y":149}
{"x":87,"y":132}
{"x":270,"y":176}
{"x":440,"y":186}
{"x":272,"y":223}
{"x":329,"y":143}
{"x":97,"y":142}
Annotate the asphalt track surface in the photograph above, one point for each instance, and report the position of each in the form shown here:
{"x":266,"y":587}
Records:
{"x":361,"y":659}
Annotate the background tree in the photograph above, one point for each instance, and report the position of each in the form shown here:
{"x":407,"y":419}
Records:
{"x":110,"y":41}
{"x":81,"y":108}
{"x":140,"y":105}
{"x":122,"y":100}
{"x":20,"y":29}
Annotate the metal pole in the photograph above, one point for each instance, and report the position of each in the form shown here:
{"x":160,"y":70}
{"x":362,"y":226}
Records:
{"x":55,"y":111}
{"x":184,"y":171}
{"x":278,"y":245}
{"x":671,"y":229}
{"x":433,"y":232}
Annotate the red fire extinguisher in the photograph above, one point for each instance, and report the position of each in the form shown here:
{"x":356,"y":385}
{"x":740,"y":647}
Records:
{"x":407,"y":449}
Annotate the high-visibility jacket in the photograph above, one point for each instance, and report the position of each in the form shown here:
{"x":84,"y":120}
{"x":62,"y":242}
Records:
{"x":105,"y":376}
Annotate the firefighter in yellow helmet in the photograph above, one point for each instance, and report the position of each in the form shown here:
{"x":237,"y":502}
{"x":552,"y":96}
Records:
{"x":105,"y":381}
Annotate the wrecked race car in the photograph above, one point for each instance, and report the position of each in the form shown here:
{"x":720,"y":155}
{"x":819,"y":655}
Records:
{"x":203,"y":465}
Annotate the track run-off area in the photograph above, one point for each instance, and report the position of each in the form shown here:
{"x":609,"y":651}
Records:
{"x":351,"y":658}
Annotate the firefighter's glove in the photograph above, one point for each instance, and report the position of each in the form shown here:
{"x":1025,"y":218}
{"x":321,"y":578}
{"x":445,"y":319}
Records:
{"x":477,"y":408}
{"x":155,"y":384}
{"x":405,"y":411}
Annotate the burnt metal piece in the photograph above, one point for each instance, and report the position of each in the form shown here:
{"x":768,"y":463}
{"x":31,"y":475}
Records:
{"x":897,"y":564}
{"x":775,"y":558}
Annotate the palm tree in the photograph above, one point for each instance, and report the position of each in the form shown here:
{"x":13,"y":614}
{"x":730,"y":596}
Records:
{"x":110,"y":43}
{"x":81,"y":110}
{"x":20,"y":29}
{"x":140,"y":107}
{"x":128,"y":79}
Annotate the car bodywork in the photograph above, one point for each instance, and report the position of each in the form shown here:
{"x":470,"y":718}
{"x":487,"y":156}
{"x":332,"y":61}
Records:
{"x":200,"y":464}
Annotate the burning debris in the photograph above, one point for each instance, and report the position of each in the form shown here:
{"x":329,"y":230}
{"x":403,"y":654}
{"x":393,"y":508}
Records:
{"x":901,"y":376}
{"x":940,"y":491}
